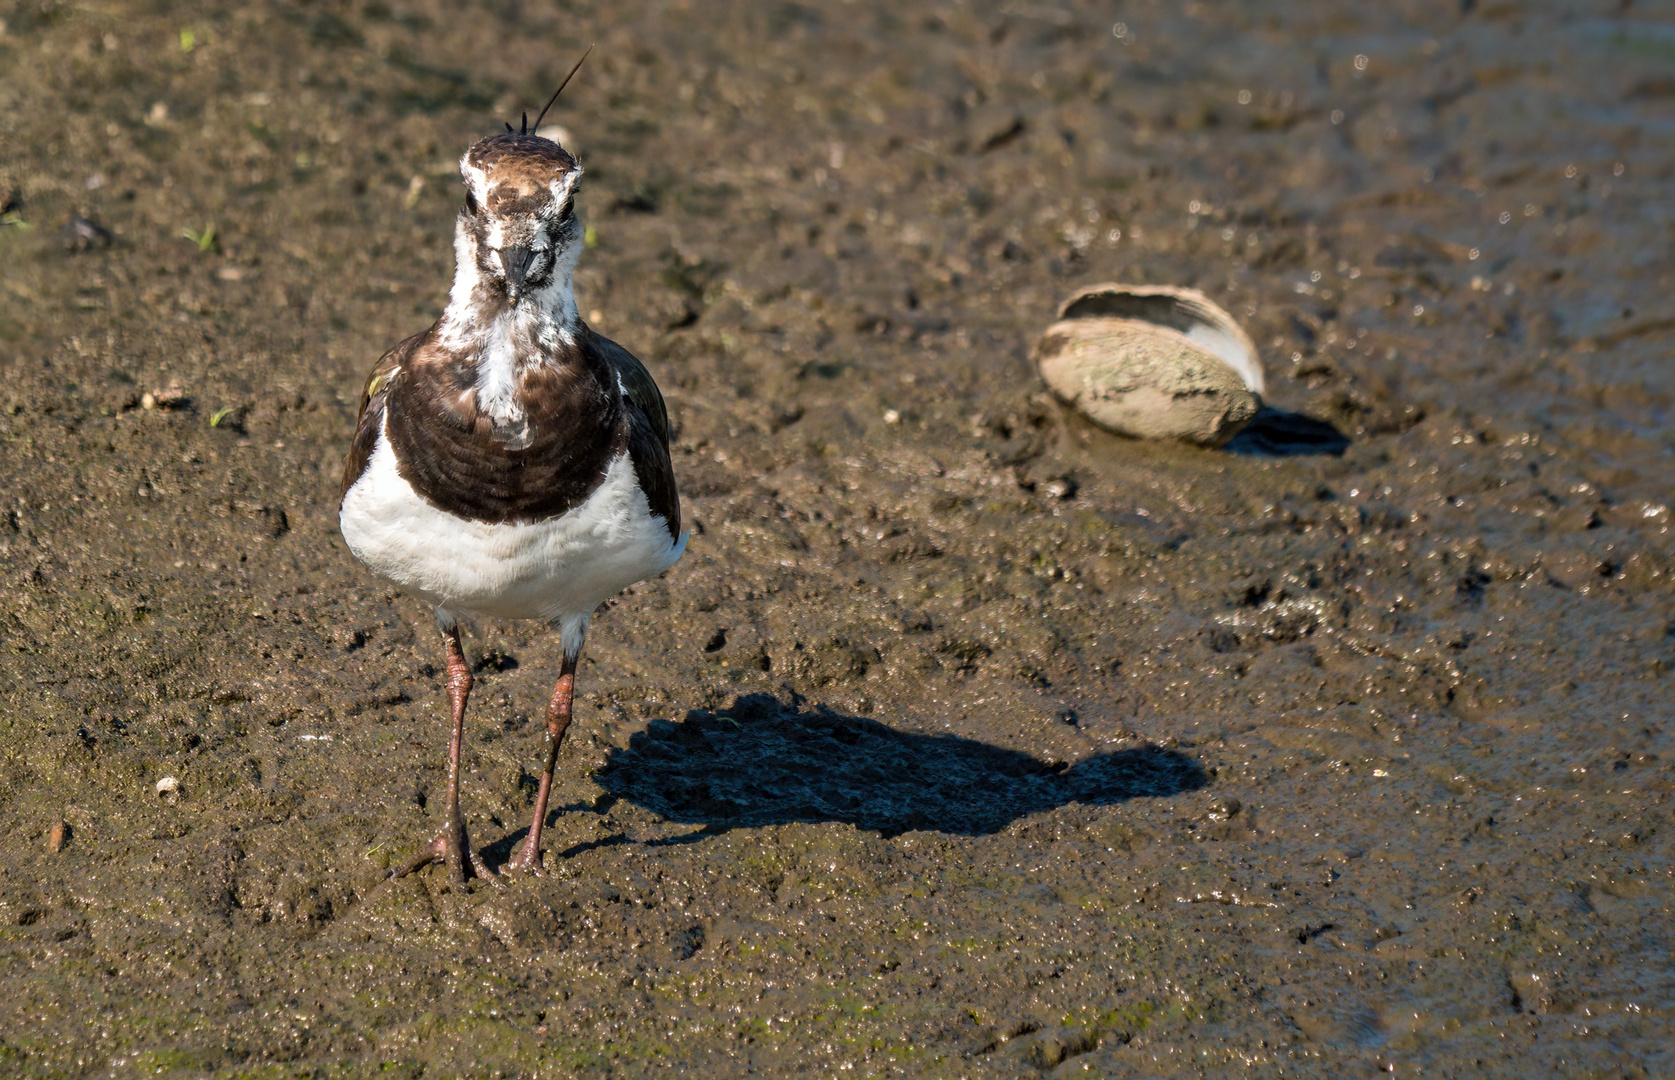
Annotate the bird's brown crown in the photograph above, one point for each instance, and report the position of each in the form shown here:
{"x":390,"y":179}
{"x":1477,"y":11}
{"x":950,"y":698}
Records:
{"x":518,"y":172}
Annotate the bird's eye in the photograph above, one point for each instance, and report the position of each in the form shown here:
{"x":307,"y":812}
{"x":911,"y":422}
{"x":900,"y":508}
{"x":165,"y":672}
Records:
{"x":470,"y":201}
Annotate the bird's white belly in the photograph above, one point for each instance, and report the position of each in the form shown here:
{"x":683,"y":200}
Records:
{"x":563,"y":567}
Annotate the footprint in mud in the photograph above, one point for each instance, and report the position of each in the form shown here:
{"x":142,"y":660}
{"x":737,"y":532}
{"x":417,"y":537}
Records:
{"x":765,"y":762}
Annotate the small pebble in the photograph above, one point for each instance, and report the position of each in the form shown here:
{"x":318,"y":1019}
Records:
{"x":169,"y":397}
{"x":83,"y":234}
{"x":1060,"y":487}
{"x":994,"y":125}
{"x":1224,"y":809}
{"x":58,"y":836}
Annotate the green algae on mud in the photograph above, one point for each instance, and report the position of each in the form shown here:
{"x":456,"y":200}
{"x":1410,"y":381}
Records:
{"x":966,"y":740}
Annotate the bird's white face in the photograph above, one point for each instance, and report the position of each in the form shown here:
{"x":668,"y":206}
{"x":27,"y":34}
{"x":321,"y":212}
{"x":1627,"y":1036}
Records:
{"x":516,"y":241}
{"x":518,"y":228}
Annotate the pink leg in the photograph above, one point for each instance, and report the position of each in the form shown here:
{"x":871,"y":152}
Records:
{"x":528,"y":857}
{"x":451,"y":845}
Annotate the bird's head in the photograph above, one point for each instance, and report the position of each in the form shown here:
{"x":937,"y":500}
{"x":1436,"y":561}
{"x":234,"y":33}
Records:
{"x":518,"y":225}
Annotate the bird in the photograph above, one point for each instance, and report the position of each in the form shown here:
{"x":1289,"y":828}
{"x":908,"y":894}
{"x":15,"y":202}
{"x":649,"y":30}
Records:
{"x":511,"y":462}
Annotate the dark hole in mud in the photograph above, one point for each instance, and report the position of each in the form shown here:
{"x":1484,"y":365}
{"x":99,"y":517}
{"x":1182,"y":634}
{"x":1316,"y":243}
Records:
{"x":688,"y":943}
{"x":1277,"y":433}
{"x":1470,"y":588}
{"x":764,"y":762}
{"x":495,"y":658}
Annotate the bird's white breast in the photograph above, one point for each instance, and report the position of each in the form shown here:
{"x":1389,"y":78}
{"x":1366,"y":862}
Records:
{"x":557,"y":569}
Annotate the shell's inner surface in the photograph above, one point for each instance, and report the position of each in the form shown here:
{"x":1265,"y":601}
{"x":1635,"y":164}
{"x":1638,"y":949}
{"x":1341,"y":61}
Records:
{"x":1231,"y":352}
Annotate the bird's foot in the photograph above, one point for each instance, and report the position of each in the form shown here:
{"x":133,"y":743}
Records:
{"x":453,"y":848}
{"x":526,"y":861}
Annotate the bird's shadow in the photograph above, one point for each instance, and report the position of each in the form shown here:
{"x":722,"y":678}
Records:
{"x":763,"y":761}
{"x":1277,"y":433}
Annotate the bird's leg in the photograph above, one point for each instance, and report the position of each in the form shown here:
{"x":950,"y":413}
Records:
{"x":528,"y":857}
{"x":452,"y":845}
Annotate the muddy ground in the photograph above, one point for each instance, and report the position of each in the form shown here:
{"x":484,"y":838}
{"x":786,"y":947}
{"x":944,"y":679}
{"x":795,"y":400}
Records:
{"x":966,"y":740}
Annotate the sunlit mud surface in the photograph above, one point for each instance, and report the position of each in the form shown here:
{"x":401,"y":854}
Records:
{"x":966,"y":740}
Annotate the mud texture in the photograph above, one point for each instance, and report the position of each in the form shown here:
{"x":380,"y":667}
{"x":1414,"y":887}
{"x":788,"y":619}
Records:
{"x":967,"y":740}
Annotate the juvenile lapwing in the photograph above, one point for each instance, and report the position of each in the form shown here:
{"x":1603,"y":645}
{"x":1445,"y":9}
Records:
{"x":510,"y":462}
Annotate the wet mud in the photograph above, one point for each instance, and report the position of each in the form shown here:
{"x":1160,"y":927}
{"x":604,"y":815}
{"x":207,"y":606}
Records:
{"x":967,"y":739}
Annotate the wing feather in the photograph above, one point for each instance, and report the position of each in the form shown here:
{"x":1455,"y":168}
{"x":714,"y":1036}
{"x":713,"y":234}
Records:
{"x":637,"y":385}
{"x":371,"y":416}
{"x":649,"y":437}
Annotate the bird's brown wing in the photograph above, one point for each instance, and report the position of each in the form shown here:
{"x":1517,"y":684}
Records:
{"x":371,"y":418}
{"x":649,"y":435}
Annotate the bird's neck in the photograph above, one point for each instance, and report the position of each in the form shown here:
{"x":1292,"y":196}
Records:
{"x":506,"y":342}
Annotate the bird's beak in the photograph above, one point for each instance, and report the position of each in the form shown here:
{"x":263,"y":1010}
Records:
{"x":516,"y":260}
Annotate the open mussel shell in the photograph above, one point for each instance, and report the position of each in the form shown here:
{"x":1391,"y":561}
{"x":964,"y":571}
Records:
{"x":1152,"y":362}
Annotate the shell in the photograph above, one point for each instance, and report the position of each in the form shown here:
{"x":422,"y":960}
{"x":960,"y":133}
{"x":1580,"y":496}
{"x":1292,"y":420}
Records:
{"x":1152,"y":362}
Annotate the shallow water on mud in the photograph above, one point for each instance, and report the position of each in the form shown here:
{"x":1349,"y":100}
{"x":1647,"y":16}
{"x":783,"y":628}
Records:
{"x":966,"y":740}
